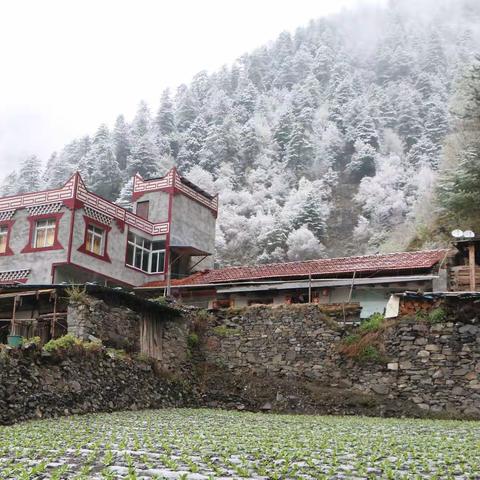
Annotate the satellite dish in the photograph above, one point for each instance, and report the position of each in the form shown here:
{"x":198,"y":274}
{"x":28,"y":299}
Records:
{"x":457,"y":233}
{"x":468,"y":234}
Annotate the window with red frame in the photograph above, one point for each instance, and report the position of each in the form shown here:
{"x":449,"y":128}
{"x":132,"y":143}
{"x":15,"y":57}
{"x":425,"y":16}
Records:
{"x":44,"y":235}
{"x":3,"y":238}
{"x":95,"y":241}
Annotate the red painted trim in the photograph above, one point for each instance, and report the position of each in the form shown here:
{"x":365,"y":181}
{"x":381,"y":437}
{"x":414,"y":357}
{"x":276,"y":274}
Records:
{"x":131,"y":267}
{"x":13,"y":282}
{"x":9,"y":223}
{"x":33,"y":220}
{"x":171,"y":192}
{"x":74,"y":206}
{"x":83,"y":248}
{"x":110,"y":279}
{"x":120,"y":224}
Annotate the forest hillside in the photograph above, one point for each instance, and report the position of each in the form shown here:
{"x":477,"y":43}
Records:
{"x":328,"y":141}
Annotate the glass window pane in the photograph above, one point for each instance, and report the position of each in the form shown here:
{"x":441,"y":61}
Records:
{"x":50,"y":237}
{"x":154,"y":266}
{"x":138,"y":258}
{"x":130,"y":254}
{"x":146,"y":257}
{"x":40,"y":238}
{"x":97,"y":245}
{"x":161,"y":262}
{"x":158,"y":245}
{"x":3,"y":242}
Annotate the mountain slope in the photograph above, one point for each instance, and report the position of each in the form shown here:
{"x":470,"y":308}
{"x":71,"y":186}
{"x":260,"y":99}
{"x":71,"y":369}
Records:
{"x":324,"y":142}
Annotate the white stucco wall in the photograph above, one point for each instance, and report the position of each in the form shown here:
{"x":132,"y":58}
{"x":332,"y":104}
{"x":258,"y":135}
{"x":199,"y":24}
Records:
{"x":157,"y":208}
{"x":40,"y":262}
{"x":116,"y":249}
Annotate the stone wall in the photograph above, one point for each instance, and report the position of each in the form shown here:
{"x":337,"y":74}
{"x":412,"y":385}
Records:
{"x":117,"y":327}
{"x":425,"y":368}
{"x":34,"y":384}
{"x":155,"y":335}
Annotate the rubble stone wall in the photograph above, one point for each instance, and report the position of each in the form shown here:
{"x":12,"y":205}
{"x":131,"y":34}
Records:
{"x":435,"y":368}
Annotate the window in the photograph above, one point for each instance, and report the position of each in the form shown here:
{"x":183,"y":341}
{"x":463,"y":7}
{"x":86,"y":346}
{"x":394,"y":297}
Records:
{"x":142,"y":209}
{"x":3,"y":239}
{"x":44,"y":233}
{"x":146,"y":255}
{"x":95,"y":242}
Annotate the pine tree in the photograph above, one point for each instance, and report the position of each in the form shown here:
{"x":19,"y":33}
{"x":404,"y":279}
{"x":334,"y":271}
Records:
{"x":144,"y":158}
{"x":9,"y":185}
{"x":299,"y":151}
{"x":459,"y":189}
{"x":165,"y":120}
{"x":187,"y":108}
{"x":29,"y":175}
{"x":105,"y":178}
{"x":121,"y":142}
{"x":125,"y":197}
{"x":188,"y":156}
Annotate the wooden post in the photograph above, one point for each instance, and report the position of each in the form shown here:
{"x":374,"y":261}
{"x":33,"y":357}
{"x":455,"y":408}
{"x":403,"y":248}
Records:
{"x":309,"y":288}
{"x":471,"y":264}
{"x":12,"y":327}
{"x":54,"y":318}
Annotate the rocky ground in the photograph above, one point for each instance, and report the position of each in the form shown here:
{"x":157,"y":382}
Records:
{"x":202,"y":444}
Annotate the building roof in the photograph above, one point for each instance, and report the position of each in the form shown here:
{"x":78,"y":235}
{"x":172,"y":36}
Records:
{"x":390,"y":262}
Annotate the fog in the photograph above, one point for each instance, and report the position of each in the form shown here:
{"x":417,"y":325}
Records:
{"x":69,"y":66}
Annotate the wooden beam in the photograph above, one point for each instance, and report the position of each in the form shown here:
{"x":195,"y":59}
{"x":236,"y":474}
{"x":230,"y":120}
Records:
{"x":471,"y":265}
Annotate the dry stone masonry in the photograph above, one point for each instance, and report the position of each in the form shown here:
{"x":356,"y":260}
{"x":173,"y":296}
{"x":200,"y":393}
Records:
{"x":432,"y":368}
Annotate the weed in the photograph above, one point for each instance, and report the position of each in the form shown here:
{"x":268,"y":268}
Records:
{"x":372,"y":323}
{"x":437,"y":315}
{"x":224,"y":331}
{"x":192,"y":340}
{"x":76,"y":293}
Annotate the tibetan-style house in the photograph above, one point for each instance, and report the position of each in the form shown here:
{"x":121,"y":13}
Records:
{"x":70,"y":234}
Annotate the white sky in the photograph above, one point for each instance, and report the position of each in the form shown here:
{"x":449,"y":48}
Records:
{"x":69,"y":65}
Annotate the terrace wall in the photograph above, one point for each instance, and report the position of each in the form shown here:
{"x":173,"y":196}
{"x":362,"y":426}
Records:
{"x":426,"y":368}
{"x":36,"y":385}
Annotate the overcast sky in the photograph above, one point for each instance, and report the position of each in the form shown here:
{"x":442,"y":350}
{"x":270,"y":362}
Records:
{"x":69,"y":65}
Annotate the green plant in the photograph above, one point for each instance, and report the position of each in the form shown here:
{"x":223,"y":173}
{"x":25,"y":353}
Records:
{"x":224,"y":331}
{"x":351,"y":339}
{"x":370,"y":354}
{"x":143,"y":358}
{"x":76,"y":293}
{"x":31,"y":341}
{"x":192,"y":340}
{"x":437,"y":315}
{"x":372,"y":323}
{"x":62,"y":343}
{"x":93,"y":346}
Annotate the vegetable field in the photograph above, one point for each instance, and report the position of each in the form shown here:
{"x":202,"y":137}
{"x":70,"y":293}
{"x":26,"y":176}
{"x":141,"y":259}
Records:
{"x":203,"y":444}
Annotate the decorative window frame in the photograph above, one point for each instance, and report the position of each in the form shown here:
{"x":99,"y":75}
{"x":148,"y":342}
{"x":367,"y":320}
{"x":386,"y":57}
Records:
{"x":7,"y":223}
{"x":83,"y":247}
{"x":29,"y":248}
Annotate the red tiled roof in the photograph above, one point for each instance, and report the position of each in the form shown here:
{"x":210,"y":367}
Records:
{"x":325,"y":266}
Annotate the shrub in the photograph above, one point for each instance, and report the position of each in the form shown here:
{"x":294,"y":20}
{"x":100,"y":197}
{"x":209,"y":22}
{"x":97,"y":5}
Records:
{"x":93,"y":346}
{"x":437,"y":315}
{"x":62,"y":343}
{"x":372,"y":323}
{"x":31,"y":341}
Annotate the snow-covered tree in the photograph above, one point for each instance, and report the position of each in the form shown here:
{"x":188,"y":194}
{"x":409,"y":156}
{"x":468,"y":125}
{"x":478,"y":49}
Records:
{"x":29,"y":177}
